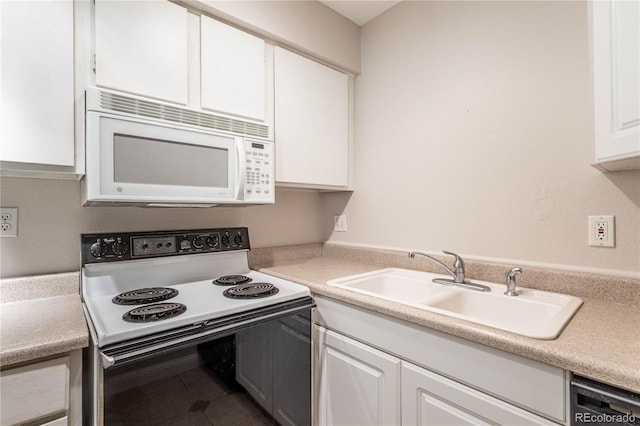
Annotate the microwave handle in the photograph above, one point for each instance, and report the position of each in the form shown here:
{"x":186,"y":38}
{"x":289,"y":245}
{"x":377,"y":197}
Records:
{"x":242,"y":169}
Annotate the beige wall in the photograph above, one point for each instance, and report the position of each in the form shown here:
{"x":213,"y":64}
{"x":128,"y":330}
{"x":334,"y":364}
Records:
{"x":50,"y":221}
{"x":474,"y":134}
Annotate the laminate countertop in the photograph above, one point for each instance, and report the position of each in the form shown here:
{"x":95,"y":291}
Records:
{"x":40,"y":317}
{"x":602,"y":341}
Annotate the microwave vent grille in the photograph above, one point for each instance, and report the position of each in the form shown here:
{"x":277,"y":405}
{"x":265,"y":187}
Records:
{"x":140,"y":107}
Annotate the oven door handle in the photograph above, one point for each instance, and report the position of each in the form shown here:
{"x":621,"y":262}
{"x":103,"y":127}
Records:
{"x":132,"y":351}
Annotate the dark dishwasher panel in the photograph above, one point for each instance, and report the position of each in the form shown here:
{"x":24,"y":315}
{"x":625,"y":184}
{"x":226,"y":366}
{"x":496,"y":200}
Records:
{"x":597,"y":403}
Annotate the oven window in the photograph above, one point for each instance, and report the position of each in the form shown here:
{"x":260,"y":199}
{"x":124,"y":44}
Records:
{"x":160,"y":162}
{"x":261,"y":375}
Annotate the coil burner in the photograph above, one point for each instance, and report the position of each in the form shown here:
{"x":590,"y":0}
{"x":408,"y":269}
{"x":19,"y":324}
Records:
{"x":251,"y":291}
{"x":145,"y":295}
{"x":155,"y":312}
{"x":232,"y":280}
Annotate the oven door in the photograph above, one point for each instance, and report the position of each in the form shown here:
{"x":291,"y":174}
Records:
{"x":146,"y":163}
{"x":253,"y":368}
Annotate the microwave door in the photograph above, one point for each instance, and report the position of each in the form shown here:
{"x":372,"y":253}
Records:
{"x":149,"y":163}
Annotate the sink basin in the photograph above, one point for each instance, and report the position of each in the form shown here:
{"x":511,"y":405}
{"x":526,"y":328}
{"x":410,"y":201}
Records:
{"x":534,"y":313}
{"x":398,"y":285}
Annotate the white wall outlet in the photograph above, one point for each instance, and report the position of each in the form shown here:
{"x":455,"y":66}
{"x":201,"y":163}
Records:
{"x":602,"y":231}
{"x":340,"y":222}
{"x":8,"y":221}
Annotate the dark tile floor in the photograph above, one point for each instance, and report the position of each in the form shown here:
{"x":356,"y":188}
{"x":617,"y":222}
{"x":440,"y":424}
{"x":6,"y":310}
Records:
{"x":192,"y":398}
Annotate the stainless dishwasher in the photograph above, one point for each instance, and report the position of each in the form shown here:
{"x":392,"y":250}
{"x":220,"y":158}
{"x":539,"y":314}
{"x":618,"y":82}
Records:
{"x":597,"y":403}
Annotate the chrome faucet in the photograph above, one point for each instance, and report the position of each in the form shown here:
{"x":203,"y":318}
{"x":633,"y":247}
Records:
{"x":457,"y":273}
{"x":510,"y":278}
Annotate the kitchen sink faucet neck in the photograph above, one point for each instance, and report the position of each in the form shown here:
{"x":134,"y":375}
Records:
{"x":457,"y":273}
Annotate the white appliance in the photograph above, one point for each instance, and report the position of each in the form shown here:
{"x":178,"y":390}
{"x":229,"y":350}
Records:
{"x":169,"y":305}
{"x":146,"y":153}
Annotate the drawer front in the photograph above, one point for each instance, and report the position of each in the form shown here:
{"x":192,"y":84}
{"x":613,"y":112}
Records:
{"x":34,"y":391}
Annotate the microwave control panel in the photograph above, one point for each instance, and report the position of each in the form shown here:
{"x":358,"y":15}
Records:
{"x":260,"y":175}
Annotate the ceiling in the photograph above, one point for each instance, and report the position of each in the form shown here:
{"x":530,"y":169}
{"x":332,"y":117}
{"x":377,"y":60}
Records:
{"x":360,"y":11}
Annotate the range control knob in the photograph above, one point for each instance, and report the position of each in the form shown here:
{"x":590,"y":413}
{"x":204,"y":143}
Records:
{"x":225,"y":240}
{"x":97,"y":249}
{"x":238,"y":239}
{"x":119,"y":247}
{"x":213,"y":241}
{"x":198,"y":242}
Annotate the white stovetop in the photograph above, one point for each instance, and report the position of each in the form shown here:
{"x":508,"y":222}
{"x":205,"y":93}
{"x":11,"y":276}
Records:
{"x":192,"y":276}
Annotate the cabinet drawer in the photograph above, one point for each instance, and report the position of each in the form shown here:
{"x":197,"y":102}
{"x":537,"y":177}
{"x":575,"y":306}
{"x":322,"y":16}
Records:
{"x":34,"y":391}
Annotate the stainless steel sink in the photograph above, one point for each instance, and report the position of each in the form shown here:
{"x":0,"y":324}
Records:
{"x":534,"y":313}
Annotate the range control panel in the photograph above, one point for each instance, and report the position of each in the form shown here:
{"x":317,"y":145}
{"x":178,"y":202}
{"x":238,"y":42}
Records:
{"x":113,"y":247}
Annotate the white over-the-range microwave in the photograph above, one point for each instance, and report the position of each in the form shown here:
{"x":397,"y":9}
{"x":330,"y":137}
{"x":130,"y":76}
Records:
{"x":141,"y":152}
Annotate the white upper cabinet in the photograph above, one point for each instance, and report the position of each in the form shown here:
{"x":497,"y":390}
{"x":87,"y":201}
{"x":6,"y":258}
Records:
{"x":37,"y":86}
{"x":311,"y":123}
{"x":233,"y":71}
{"x":616,"y":60}
{"x":141,"y":48}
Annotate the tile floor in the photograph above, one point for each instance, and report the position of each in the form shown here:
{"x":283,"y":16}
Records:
{"x":191,"y":398}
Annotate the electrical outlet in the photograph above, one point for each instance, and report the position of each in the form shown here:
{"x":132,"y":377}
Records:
{"x":8,"y":221}
{"x":602,"y":231}
{"x":340,"y":222}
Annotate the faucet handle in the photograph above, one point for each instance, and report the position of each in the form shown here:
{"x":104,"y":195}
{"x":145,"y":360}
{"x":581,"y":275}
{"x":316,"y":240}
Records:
{"x":510,"y":278}
{"x":458,"y":262}
{"x":458,"y":267}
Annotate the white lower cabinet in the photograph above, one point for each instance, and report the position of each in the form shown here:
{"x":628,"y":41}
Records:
{"x":46,"y":393}
{"x":371,"y":369}
{"x":358,"y":385}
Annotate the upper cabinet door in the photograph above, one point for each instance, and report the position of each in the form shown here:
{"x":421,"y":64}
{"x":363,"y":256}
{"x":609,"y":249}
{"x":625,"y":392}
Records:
{"x":616,"y":59}
{"x":141,"y":48}
{"x":36,"y":116}
{"x":233,"y":70}
{"x":311,"y":122}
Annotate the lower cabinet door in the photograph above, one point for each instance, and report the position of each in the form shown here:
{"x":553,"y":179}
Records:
{"x":431,"y":399}
{"x":357,"y":384}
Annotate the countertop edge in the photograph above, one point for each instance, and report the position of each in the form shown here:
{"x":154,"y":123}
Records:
{"x":63,"y":329}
